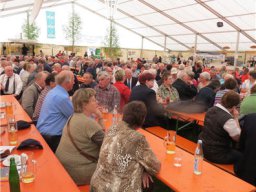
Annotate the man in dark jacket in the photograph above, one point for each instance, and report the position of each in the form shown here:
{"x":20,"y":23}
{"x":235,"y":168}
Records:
{"x":185,"y":86}
{"x":130,"y":81}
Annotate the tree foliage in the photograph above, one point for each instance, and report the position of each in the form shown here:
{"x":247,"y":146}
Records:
{"x":112,"y":48}
{"x":30,"y":30}
{"x":73,"y":29}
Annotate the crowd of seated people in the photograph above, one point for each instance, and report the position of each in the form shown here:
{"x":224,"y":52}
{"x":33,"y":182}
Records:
{"x":44,"y":84}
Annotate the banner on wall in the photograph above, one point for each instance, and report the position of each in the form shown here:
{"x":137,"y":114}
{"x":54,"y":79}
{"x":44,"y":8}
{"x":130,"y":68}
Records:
{"x":50,"y":20}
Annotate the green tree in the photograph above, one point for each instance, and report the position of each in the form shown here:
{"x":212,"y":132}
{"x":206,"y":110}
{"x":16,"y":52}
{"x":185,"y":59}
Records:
{"x":30,"y":30}
{"x":73,"y":29}
{"x":112,"y":48}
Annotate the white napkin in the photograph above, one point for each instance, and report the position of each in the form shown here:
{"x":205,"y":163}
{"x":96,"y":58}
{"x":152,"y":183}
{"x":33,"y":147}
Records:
{"x":3,"y":148}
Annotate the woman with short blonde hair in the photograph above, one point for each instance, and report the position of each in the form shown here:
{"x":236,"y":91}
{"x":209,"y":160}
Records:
{"x":82,"y":137}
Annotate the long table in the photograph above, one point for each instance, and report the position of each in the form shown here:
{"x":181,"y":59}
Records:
{"x":51,"y":175}
{"x":182,"y":178}
{"x":197,"y":117}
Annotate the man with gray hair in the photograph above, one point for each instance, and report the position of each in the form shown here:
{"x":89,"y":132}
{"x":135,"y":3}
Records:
{"x":56,"y":110}
{"x":10,"y":83}
{"x":185,"y":87}
{"x":106,"y":94}
{"x":31,"y":93}
{"x":204,"y":79}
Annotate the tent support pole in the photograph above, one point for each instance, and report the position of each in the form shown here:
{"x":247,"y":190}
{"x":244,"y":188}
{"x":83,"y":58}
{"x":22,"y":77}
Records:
{"x":237,"y":45}
{"x":141,"y":50}
{"x":195,"y":48}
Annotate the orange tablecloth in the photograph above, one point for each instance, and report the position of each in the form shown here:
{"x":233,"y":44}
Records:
{"x":51,"y":175}
{"x":198,"y":117}
{"x":183,"y":179}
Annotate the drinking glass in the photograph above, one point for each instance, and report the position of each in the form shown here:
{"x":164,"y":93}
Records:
{"x":170,"y":142}
{"x":12,"y":130}
{"x":177,"y":159}
{"x":104,"y":111}
{"x":9,"y":108}
{"x":28,"y":167}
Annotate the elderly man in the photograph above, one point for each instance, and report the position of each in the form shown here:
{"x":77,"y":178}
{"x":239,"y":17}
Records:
{"x":49,"y":84}
{"x":76,"y":82}
{"x":31,"y":93}
{"x":130,"y":81}
{"x":10,"y":83}
{"x":204,"y":79}
{"x":185,"y":86}
{"x":88,"y":81}
{"x":106,"y":94}
{"x":56,"y":110}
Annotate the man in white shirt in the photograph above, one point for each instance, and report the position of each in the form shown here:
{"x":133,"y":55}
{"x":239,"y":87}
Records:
{"x":10,"y":83}
{"x":130,"y":81}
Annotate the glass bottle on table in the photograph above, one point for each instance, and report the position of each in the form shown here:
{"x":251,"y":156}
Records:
{"x":198,"y":158}
{"x":14,"y":179}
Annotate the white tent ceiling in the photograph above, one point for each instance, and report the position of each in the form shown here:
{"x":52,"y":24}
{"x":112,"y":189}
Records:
{"x":179,"y":21}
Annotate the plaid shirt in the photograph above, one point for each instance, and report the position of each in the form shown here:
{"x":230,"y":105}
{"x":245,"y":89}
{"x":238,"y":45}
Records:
{"x":170,"y":92}
{"x":40,"y":101}
{"x":108,"y":97}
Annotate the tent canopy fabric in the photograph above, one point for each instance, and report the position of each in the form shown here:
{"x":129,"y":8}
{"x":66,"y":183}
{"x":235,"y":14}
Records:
{"x":173,"y":24}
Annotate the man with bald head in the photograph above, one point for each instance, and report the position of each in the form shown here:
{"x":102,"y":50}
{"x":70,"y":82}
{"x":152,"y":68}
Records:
{"x":56,"y":109}
{"x":10,"y":83}
{"x":31,"y":93}
{"x":130,"y":81}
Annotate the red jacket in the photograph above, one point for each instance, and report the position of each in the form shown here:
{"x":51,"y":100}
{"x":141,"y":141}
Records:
{"x":124,"y":93}
{"x":244,"y":77}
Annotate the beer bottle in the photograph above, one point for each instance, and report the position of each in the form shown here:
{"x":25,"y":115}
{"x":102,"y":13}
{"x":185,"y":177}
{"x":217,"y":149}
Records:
{"x":198,"y":161}
{"x":14,"y":179}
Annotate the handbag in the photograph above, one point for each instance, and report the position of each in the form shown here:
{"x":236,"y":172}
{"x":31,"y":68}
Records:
{"x":86,"y":155}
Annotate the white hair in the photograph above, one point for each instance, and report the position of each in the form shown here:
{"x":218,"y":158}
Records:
{"x":152,"y":71}
{"x":205,"y":75}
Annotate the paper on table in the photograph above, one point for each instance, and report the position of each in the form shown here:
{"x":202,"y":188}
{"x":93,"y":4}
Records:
{"x":3,"y":149}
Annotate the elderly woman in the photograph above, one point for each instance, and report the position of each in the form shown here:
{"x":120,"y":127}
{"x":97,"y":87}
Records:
{"x":125,"y":156}
{"x":122,"y":88}
{"x":144,"y":93}
{"x":82,"y":137}
{"x":166,"y":92}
